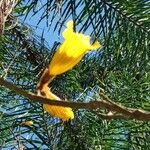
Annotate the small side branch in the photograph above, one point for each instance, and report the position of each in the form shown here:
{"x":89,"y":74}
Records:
{"x":117,"y":111}
{"x":6,"y":7}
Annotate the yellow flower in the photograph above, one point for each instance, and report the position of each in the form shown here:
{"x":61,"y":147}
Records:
{"x":27,"y":123}
{"x":72,"y":50}
{"x":64,"y":113}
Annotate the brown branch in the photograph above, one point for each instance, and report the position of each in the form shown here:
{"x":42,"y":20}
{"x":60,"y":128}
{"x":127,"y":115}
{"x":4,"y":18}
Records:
{"x":45,"y":79}
{"x":92,"y":105}
{"x":108,"y":116}
{"x":6,"y":7}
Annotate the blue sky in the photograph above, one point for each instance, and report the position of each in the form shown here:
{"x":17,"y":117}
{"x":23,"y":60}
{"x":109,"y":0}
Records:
{"x":42,"y":28}
{"x":48,"y":31}
{"x":49,"y":35}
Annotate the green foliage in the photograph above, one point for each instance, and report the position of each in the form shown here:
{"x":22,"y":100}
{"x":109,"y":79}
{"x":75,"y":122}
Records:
{"x":121,"y":69}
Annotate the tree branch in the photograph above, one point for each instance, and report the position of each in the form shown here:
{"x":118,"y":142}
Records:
{"x":120,"y":111}
{"x":108,"y":116}
{"x":6,"y":7}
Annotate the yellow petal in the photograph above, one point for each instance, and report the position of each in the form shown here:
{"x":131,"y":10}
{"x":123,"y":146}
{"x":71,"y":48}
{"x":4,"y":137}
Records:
{"x":27,"y":123}
{"x":72,"y":50}
{"x":64,"y":113}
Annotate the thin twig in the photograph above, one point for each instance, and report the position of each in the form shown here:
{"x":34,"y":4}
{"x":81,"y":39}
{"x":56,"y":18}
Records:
{"x":4,"y":75}
{"x":92,"y":105}
{"x":108,"y":116}
{"x":6,"y":7}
